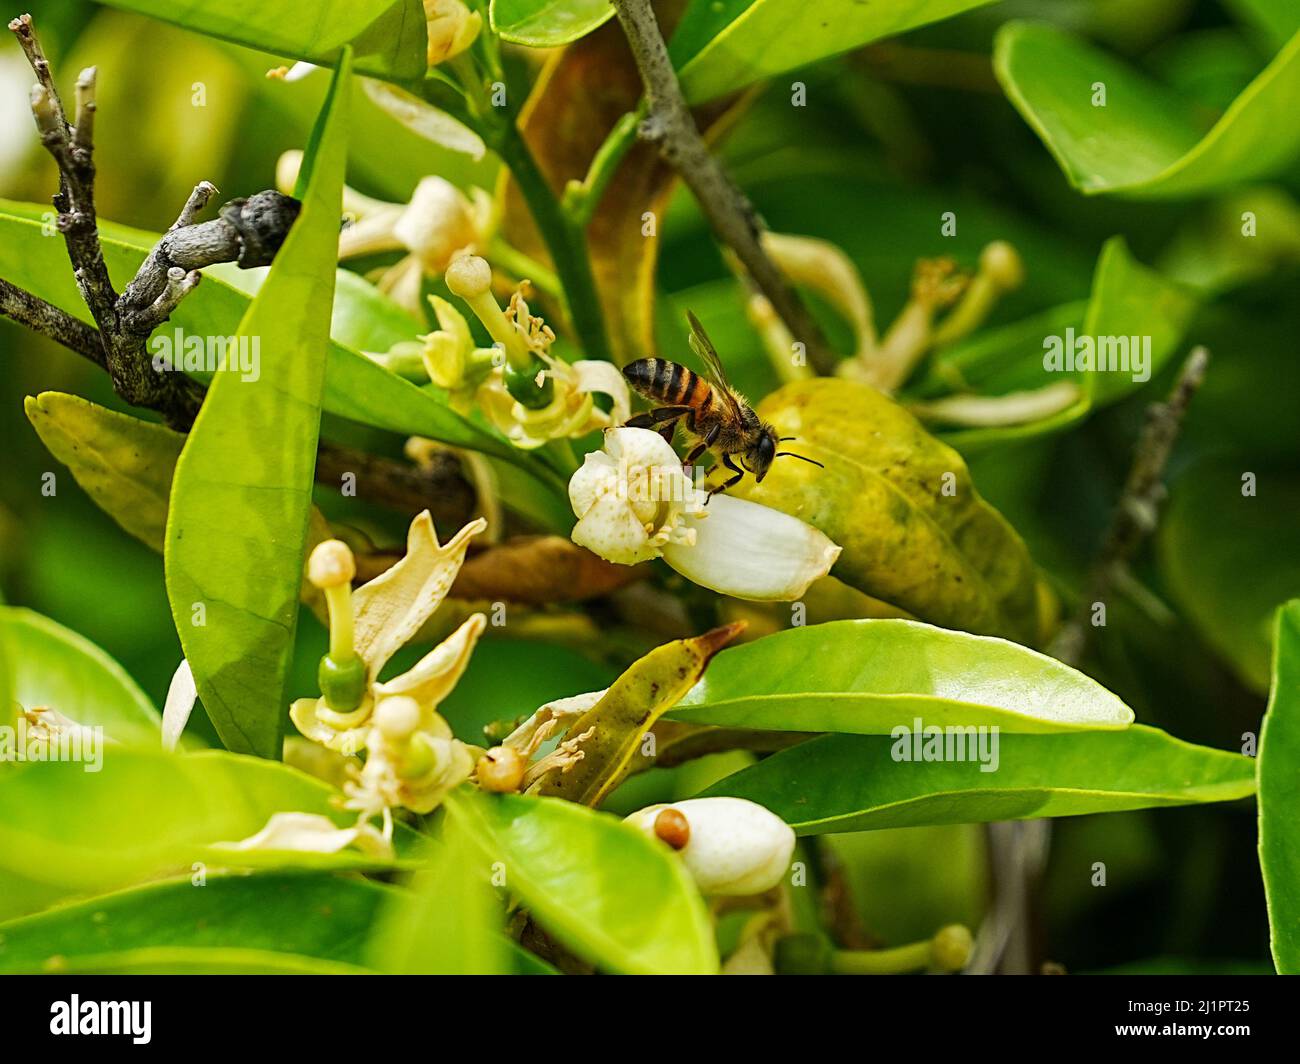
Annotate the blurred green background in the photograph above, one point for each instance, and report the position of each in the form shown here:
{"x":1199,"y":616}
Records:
{"x":895,"y":135}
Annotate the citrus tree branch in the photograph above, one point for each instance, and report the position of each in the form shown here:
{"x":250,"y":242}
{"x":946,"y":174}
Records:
{"x":669,"y":125}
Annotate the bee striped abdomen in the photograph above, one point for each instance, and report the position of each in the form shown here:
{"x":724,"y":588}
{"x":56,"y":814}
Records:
{"x":668,"y":382}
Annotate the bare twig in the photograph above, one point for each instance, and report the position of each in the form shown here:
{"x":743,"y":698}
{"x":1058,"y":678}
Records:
{"x":1137,"y":511}
{"x":248,"y":232}
{"x":49,"y":320}
{"x":668,"y":125}
{"x":1018,"y":849}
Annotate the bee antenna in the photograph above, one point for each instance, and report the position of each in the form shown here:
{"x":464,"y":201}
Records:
{"x":786,"y":439}
{"x":791,"y":454}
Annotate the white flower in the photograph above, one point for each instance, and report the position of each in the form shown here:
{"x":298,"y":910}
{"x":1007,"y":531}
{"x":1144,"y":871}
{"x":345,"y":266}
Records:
{"x":439,"y":223}
{"x":634,"y":503}
{"x":734,"y":846}
{"x":452,"y":28}
{"x":564,"y":405}
{"x":632,"y":498}
{"x":376,"y":620}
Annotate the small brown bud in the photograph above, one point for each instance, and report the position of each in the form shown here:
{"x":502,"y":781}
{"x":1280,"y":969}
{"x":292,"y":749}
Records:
{"x":673,"y":828}
{"x":501,"y":770}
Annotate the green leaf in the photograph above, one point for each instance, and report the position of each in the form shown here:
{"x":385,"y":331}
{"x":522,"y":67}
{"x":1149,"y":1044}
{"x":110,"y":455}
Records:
{"x":53,"y":666}
{"x":617,"y":723}
{"x":124,"y":464}
{"x":1145,"y":142}
{"x":1211,"y":536}
{"x":450,"y":922}
{"x":870,"y":676}
{"x":548,"y":23}
{"x":241,"y":496}
{"x":356,"y":388}
{"x":914,"y":531}
{"x":768,"y":37}
{"x":146,"y":814}
{"x":854,"y":782}
{"x":323,"y":917}
{"x":616,"y":897}
{"x":1279,"y":794}
{"x":389,"y":36}
{"x":1129,"y":302}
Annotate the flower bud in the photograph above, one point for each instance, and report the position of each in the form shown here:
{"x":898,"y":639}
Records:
{"x":733,"y":847}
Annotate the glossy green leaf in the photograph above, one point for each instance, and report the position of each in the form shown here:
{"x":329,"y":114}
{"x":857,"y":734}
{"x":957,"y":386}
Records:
{"x":65,"y":830}
{"x":322,"y":917}
{"x":123,"y":463}
{"x":241,"y":496}
{"x":450,"y":921}
{"x":1145,"y":142}
{"x":388,"y":36}
{"x":1212,"y":537}
{"x":614,"y":896}
{"x":1279,"y":794}
{"x":870,"y":676}
{"x":1130,"y":303}
{"x":548,"y":23}
{"x":356,"y":388}
{"x":901,"y":504}
{"x":763,"y":38}
{"x":53,"y":666}
{"x":855,"y":782}
{"x":617,"y":724}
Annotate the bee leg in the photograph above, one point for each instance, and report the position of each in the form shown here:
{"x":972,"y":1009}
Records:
{"x":663,"y":420}
{"x":708,"y":441}
{"x":732,"y":482}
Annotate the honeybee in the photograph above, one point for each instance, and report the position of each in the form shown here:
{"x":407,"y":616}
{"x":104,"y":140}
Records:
{"x":713,"y":413}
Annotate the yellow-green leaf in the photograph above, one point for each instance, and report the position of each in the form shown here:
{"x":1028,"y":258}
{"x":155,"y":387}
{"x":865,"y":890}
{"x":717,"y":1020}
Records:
{"x":608,"y":734}
{"x":123,"y":463}
{"x":914,"y":531}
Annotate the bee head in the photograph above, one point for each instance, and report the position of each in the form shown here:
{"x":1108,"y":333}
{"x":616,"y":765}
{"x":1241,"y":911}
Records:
{"x":760,"y":455}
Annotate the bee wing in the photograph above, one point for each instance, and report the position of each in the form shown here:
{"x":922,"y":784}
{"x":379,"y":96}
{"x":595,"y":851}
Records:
{"x":704,"y":350}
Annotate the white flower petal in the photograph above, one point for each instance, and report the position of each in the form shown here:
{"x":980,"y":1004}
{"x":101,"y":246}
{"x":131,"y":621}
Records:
{"x":312,"y":833}
{"x":390,"y":609}
{"x":424,"y":119}
{"x":432,"y":678}
{"x":736,"y":847}
{"x":594,"y":375}
{"x":181,"y":696}
{"x":751,"y":551}
{"x":612,"y":531}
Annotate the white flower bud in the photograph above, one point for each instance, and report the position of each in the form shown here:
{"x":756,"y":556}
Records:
{"x":736,"y":847}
